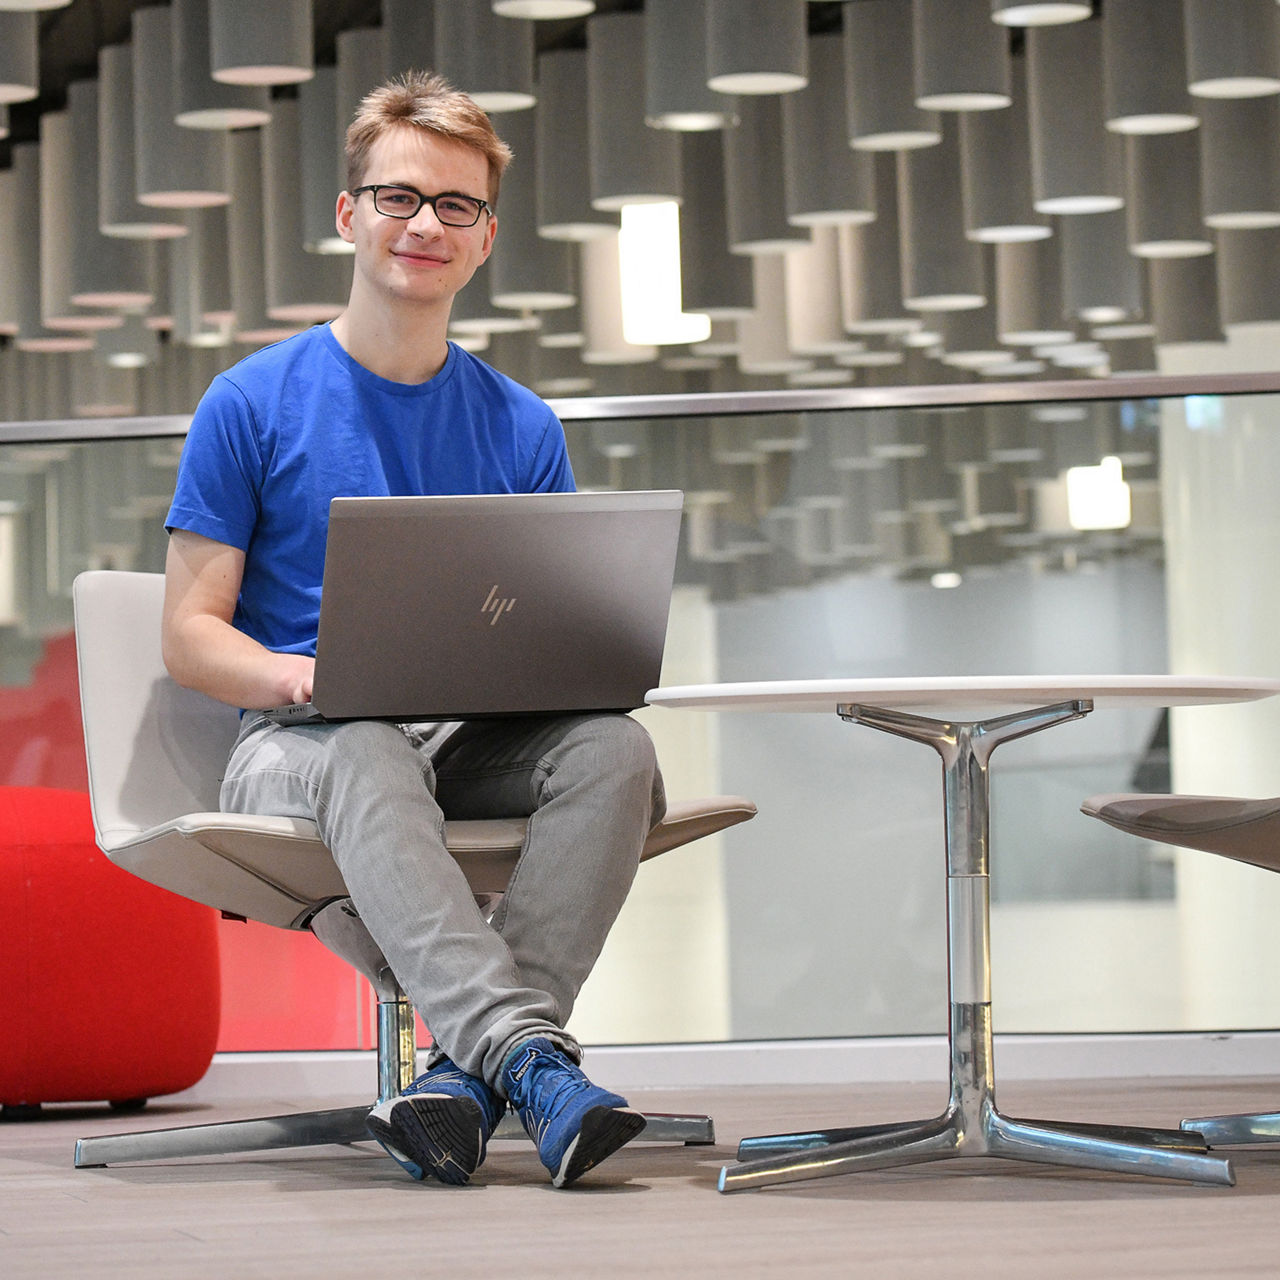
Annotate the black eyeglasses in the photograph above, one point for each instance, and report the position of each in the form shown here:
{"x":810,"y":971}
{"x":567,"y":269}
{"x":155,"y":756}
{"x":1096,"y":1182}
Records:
{"x":450,"y":208}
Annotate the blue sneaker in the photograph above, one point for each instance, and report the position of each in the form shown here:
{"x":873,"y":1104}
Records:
{"x":573,"y":1123}
{"x":439,"y":1125}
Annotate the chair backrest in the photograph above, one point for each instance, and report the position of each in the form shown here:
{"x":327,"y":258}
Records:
{"x":155,"y":750}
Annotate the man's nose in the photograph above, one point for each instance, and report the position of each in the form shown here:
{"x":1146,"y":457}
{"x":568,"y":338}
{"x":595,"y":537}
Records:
{"x":425,"y":222}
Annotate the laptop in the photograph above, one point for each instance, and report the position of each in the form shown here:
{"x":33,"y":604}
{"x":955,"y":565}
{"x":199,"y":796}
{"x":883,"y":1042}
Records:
{"x":450,"y":608}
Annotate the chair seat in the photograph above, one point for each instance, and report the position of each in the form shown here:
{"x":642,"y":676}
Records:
{"x":278,"y":871}
{"x":1243,"y":830}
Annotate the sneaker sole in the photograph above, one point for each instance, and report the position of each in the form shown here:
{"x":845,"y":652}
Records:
{"x":441,"y":1136}
{"x":604,"y":1130}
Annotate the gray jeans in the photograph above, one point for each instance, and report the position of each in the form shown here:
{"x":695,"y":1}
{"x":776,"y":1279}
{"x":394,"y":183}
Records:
{"x":380,"y":794}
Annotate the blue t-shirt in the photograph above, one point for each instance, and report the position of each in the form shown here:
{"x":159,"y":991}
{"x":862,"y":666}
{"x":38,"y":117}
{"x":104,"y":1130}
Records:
{"x":295,"y":424}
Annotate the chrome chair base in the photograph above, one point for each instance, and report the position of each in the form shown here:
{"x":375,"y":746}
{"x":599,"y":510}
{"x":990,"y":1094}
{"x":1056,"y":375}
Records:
{"x":1237,"y":1131}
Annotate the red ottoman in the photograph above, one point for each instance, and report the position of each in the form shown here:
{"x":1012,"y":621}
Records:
{"x":109,"y":987}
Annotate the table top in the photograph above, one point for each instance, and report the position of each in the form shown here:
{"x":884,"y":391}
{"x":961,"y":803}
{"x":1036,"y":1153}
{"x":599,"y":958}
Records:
{"x":954,"y":694}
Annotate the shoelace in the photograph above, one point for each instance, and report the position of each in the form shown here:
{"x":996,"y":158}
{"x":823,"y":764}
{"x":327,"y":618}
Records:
{"x":546,"y":1095}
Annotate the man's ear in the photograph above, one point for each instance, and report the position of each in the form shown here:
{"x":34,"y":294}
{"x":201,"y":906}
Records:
{"x":343,"y":214}
{"x":489,"y":232}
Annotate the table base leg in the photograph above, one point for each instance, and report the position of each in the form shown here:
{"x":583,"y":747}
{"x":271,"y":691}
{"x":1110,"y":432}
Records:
{"x":1227,"y":1131}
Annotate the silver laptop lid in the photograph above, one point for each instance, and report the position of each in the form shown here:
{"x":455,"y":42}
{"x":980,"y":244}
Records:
{"x":497,"y":604}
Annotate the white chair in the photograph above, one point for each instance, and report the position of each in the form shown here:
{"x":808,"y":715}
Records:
{"x":156,"y":754}
{"x":1243,"y":830}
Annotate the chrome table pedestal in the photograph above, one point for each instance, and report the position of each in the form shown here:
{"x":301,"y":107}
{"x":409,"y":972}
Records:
{"x":971,"y":1125}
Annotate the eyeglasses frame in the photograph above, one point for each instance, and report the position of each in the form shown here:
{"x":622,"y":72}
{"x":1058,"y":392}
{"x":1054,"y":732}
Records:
{"x":374,"y":187}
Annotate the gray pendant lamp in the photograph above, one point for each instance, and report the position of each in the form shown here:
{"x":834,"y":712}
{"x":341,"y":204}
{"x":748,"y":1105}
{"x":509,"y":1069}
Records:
{"x":361,"y":66}
{"x":408,"y":35}
{"x":1073,"y":166}
{"x":629,"y":162}
{"x":765,"y":342}
{"x":543,"y":10}
{"x":825,"y":182}
{"x":714,"y":281}
{"x":526,"y":271}
{"x":677,"y":95}
{"x":995,"y":171}
{"x":4,"y":122}
{"x":561,"y":328}
{"x":961,"y":56}
{"x":1240,"y":162}
{"x":252,"y":43}
{"x":322,"y":162}
{"x":1101,"y":279}
{"x":201,"y":280}
{"x":131,"y":346}
{"x":19,"y":56}
{"x":1184,"y":300}
{"x":1162,"y":195}
{"x":11,"y":244}
{"x":1130,"y":357}
{"x":757,"y":46}
{"x":301,"y":288}
{"x":200,"y":101}
{"x":474,"y":315}
{"x":1249,"y":277}
{"x":941,"y":267}
{"x":246,"y":242}
{"x":1039,"y":13}
{"x":815,"y":321}
{"x":879,"y":70}
{"x":871,"y":264}
{"x":1233,"y":50}
{"x":25,"y":274}
{"x":485,"y":55}
{"x":174,"y":168}
{"x":603,"y":339}
{"x":105,"y":271}
{"x":754,"y":172}
{"x":119,"y":213}
{"x":563,"y":179}
{"x":1028,"y":283}
{"x":1144,"y":68}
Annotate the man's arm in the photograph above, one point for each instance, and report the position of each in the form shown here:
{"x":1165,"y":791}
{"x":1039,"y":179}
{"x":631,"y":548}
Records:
{"x":202,"y":650}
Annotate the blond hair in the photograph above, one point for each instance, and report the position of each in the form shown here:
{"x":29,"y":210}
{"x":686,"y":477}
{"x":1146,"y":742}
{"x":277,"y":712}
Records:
{"x":419,"y":99}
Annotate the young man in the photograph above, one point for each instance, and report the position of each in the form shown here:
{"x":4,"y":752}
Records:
{"x":378,"y":402}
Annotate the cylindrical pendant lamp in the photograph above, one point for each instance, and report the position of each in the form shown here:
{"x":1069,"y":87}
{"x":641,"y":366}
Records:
{"x":543,"y":10}
{"x":12,"y":242}
{"x":563,"y":200}
{"x":961,"y":56}
{"x":301,"y":288}
{"x":603,"y":339}
{"x":630,"y":163}
{"x":1162,"y":195}
{"x":755,"y":190}
{"x":252,"y":43}
{"x":763,"y":337}
{"x":880,"y":92}
{"x":175,"y":168}
{"x":677,"y":95}
{"x":473,"y":314}
{"x":408,"y":35}
{"x":201,"y":280}
{"x":1240,"y":161}
{"x":119,"y":213}
{"x":4,"y":122}
{"x":825,"y":182}
{"x":1184,"y":300}
{"x":870,"y":263}
{"x":362,"y":66}
{"x":714,"y":281}
{"x":322,"y":162}
{"x":1073,"y":169}
{"x":488,"y":56}
{"x":995,"y":171}
{"x":1028,"y":282}
{"x":1233,"y":50}
{"x":1039,"y":13}
{"x":815,"y":321}
{"x":1144,"y":63}
{"x":1101,"y":279}
{"x":1249,"y":276}
{"x":941,"y":266}
{"x":200,"y":101}
{"x":757,"y":46}
{"x":19,"y":57}
{"x":525,"y":270}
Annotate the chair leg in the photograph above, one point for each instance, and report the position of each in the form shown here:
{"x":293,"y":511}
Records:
{"x":1232,"y":1131}
{"x":691,"y":1130}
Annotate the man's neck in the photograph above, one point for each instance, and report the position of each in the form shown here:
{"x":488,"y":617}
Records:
{"x":408,"y":348}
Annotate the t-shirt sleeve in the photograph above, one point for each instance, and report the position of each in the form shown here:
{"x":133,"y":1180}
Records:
{"x":219,"y":480}
{"x":550,"y":470}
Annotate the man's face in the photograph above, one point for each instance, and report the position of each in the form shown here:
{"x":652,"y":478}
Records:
{"x":417,"y":259}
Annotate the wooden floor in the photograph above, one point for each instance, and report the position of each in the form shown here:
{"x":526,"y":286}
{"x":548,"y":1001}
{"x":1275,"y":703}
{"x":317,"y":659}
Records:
{"x":650,"y":1210}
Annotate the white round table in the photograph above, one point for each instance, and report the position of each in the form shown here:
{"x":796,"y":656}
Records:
{"x":1013,"y":706}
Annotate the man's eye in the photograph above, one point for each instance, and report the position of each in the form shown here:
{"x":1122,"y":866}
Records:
{"x":401,"y":199}
{"x":450,"y":205}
